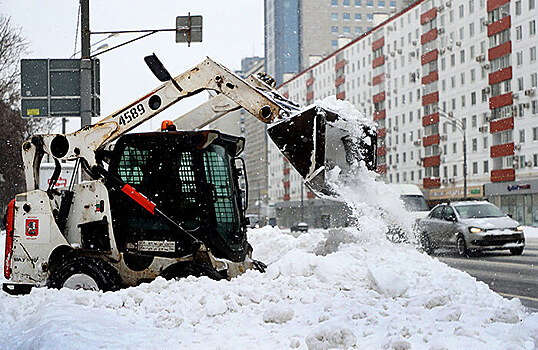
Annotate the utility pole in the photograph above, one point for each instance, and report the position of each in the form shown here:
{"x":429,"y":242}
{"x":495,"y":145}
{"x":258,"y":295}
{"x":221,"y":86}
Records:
{"x":85,"y":65}
{"x":302,"y":202}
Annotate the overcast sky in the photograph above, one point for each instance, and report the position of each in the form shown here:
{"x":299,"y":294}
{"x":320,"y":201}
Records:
{"x":232,"y":30}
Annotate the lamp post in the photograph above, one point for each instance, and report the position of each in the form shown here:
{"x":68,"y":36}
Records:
{"x":461,"y":127}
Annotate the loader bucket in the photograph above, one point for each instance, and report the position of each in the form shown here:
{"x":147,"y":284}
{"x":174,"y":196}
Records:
{"x":317,"y":140}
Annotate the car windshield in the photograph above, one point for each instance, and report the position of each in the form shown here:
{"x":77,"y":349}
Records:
{"x":479,"y":211}
{"x":415,"y":203}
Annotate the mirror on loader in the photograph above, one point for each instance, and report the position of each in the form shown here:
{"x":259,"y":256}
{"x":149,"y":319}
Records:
{"x":317,"y":140}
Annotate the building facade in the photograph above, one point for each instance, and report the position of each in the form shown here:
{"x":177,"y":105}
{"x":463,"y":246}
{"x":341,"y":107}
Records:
{"x":431,"y":76}
{"x":298,"y":33}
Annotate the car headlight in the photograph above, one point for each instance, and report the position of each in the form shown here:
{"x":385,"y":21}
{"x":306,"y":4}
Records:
{"x":475,"y":229}
{"x":519,"y":228}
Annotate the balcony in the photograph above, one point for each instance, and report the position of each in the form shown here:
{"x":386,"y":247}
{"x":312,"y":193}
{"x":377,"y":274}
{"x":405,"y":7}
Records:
{"x":499,"y":26}
{"x":431,"y":161}
{"x":381,"y":151}
{"x":503,"y":150}
{"x":378,"y":44}
{"x":379,"y":115}
{"x":430,"y":98}
{"x":379,"y":97}
{"x":430,"y":56}
{"x":381,"y":169}
{"x":430,"y":119}
{"x":501,"y":175}
{"x":428,"y":15}
{"x":500,"y":75}
{"x":339,"y":80}
{"x":430,"y":140}
{"x":310,"y":95}
{"x":378,"y":79}
{"x":429,"y":36}
{"x":501,"y":125}
{"x":310,"y":81}
{"x":499,"y":51}
{"x":430,"y":78}
{"x":381,"y":132}
{"x":501,"y":100}
{"x":378,"y":61}
{"x":430,"y":182}
{"x":493,"y":4}
{"x":339,"y":65}
{"x":341,"y":95}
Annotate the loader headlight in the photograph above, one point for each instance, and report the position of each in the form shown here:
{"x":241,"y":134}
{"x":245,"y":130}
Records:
{"x":519,"y":228}
{"x":475,"y":229}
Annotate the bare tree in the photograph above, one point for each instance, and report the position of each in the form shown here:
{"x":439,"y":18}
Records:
{"x":13,"y":129}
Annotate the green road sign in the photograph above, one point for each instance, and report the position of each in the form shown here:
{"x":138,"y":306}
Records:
{"x":51,"y":88}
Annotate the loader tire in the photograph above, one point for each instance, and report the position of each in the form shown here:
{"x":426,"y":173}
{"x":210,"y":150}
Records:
{"x":196,"y":269}
{"x":85,"y":273}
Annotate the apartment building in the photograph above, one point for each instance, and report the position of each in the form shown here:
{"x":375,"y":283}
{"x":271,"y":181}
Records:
{"x":431,"y":76}
{"x":299,"y":33}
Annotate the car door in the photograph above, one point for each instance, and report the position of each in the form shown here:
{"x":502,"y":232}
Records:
{"x":432,"y":223}
{"x":448,"y":226}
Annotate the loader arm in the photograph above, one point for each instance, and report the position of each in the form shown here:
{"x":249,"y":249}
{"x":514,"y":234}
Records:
{"x":208,"y":75}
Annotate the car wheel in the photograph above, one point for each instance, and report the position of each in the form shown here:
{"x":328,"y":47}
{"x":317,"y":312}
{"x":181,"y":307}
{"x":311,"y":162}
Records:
{"x":516,"y":251}
{"x":461,"y":247}
{"x":85,"y":273}
{"x":193,"y":268}
{"x":426,"y":244}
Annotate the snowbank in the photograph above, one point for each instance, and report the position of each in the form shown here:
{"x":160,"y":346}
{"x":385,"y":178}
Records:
{"x":530,"y":232}
{"x":313,"y":296}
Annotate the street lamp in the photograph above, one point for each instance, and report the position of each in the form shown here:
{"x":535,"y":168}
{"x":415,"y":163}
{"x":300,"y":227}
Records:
{"x":461,"y":127}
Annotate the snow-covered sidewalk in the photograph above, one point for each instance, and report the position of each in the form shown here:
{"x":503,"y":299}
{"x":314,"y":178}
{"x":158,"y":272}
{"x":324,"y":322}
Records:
{"x":316,"y":294}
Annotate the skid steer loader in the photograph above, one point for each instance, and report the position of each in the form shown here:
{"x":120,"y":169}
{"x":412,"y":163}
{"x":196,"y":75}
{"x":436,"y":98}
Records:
{"x":160,"y":203}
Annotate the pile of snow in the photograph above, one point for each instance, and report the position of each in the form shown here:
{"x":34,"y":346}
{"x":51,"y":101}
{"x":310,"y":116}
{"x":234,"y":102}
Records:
{"x":325,"y":289}
{"x":313,"y":296}
{"x":530,"y":232}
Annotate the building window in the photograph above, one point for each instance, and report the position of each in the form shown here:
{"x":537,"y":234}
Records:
{"x":520,"y":84}
{"x":358,"y":3}
{"x":345,"y":3}
{"x":471,"y":6}
{"x":534,"y":80}
{"x":369,"y":16}
{"x":334,"y":44}
{"x":454,"y":170}
{"x":473,"y":74}
{"x":462,"y":56}
{"x":522,"y":136}
{"x":533,"y":53}
{"x":486,"y":166}
{"x":454,"y":148}
{"x":392,"y":4}
{"x":535,"y":134}
{"x":334,"y":2}
{"x":334,"y":29}
{"x":532,"y":27}
{"x":485,"y":142}
{"x":473,"y":121}
{"x":369,"y":3}
{"x":452,"y":60}
{"x":381,"y":4}
{"x":518,"y":7}
{"x":334,"y":16}
{"x":519,"y":32}
{"x":346,"y":16}
{"x":471,"y":30}
{"x":461,"y":11}
{"x":475,"y":168}
{"x":347,"y":30}
{"x":519,"y":58}
{"x":358,"y":30}
{"x":532,"y":4}
{"x":358,"y":16}
{"x":474,"y":146}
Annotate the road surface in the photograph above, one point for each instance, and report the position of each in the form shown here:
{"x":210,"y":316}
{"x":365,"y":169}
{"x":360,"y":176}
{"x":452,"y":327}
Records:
{"x":510,"y":276}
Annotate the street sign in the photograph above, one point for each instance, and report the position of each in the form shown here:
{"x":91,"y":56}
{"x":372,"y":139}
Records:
{"x":51,"y":88}
{"x":189,"y":29}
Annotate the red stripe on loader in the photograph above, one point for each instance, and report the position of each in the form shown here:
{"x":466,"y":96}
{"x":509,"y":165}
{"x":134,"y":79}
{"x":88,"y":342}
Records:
{"x":139,"y":198}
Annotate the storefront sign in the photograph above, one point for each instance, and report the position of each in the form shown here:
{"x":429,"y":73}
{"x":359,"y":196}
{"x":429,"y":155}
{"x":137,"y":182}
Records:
{"x":454,"y":192}
{"x":499,"y":189}
{"x":518,"y":187}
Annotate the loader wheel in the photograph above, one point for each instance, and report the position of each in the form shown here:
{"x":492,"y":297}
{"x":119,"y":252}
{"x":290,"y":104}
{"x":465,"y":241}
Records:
{"x":85,"y":273}
{"x":193,"y":268}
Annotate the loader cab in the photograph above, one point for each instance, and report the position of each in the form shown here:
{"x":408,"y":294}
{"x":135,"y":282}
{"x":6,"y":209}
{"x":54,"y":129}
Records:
{"x":191,"y":177}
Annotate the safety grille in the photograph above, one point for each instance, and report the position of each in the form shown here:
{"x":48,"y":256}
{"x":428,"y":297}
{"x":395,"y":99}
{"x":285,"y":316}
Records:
{"x":130,"y":166}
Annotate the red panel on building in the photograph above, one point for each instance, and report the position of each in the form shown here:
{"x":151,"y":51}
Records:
{"x":501,"y":125}
{"x":310,"y":81}
{"x":340,"y":80}
{"x":286,"y":94}
{"x":493,"y":4}
{"x":429,"y":36}
{"x":503,"y":150}
{"x":500,"y":75}
{"x":310,"y":95}
{"x":286,"y":184}
{"x":310,"y":195}
{"x":381,"y":151}
{"x":286,"y":197}
{"x":430,"y":98}
{"x":433,"y":76}
{"x":378,"y":61}
{"x":500,"y":175}
{"x":430,"y":182}
{"x":341,"y":95}
{"x":430,"y":140}
{"x":286,"y":171}
{"x":430,"y":119}
{"x":340,"y":64}
{"x":379,"y":115}
{"x":379,"y":97}
{"x":430,"y":56}
{"x":378,"y":79}
{"x":501,"y":100}
{"x":381,"y":169}
{"x":499,"y":51}
{"x":378,"y":43}
{"x":428,"y":15}
{"x":499,"y":26}
{"x":381,"y":132}
{"x":431,"y":161}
